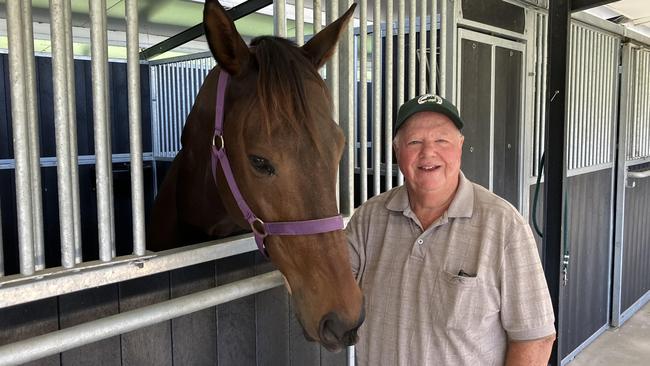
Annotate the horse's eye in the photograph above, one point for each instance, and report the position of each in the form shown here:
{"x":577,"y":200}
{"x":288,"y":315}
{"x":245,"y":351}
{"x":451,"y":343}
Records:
{"x":261,"y":165}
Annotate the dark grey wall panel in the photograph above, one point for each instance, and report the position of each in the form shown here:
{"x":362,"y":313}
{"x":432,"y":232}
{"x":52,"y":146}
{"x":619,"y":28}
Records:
{"x":236,"y":319}
{"x":84,"y":306}
{"x":150,"y":345}
{"x":475,"y":109}
{"x":194,"y":336}
{"x":29,"y":320}
{"x":507,"y":119}
{"x":585,"y":298}
{"x":272,"y":313}
{"x":636,"y":247}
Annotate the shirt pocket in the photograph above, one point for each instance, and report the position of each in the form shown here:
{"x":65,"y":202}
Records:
{"x":457,"y":301}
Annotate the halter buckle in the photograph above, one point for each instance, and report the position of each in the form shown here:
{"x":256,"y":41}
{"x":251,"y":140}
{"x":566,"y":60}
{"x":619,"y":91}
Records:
{"x":258,"y":227}
{"x":217,"y":141}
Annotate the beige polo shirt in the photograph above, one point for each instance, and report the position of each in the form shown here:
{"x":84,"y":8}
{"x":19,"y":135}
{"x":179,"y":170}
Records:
{"x":419,"y":310}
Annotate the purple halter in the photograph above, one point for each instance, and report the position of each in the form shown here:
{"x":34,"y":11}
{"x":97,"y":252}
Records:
{"x":260,"y":228}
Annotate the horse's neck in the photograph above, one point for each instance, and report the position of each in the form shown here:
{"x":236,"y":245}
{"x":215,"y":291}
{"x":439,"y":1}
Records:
{"x":200,"y":205}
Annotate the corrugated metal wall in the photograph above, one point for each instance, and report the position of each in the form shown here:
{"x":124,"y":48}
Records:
{"x":592,"y":86}
{"x":639,"y":128}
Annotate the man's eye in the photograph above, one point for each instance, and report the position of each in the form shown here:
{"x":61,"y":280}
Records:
{"x":262,"y":165}
{"x":414,"y":142}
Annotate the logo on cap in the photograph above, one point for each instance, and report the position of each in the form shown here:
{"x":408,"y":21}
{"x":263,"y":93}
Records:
{"x":429,"y":98}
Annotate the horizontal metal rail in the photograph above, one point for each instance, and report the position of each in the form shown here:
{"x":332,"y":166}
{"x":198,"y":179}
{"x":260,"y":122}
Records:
{"x":83,"y":160}
{"x":19,"y":289}
{"x":639,"y":175}
{"x":78,"y":335}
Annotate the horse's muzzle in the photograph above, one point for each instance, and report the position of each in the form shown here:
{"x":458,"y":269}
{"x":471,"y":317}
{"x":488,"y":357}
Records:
{"x":335,"y":334}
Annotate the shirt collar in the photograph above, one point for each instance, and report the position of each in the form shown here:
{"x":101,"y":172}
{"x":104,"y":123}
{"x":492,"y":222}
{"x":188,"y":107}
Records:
{"x":462,"y":204}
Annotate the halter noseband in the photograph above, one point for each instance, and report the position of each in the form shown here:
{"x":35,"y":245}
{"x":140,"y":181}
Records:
{"x":260,"y":228}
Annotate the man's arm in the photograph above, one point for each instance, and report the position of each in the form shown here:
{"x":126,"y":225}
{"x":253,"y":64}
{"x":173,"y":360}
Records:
{"x":533,"y":353}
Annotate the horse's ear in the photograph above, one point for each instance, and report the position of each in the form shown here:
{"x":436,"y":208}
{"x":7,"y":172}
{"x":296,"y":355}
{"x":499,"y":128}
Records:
{"x":321,"y":47}
{"x":227,"y":46}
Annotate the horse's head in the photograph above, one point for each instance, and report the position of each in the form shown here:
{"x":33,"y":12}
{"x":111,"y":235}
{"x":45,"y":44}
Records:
{"x":284,"y":149}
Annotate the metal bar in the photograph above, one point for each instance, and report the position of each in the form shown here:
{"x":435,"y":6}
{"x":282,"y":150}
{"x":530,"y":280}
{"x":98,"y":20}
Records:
{"x":412,"y":69}
{"x":75,"y":336}
{"x":135,"y":129}
{"x":72,"y":126}
{"x":279,"y":18}
{"x":196,"y":31}
{"x":318,"y":16}
{"x":589,"y":125}
{"x":300,"y":22}
{"x":100,"y":117}
{"x":347,"y":113}
{"x":376,"y":97}
{"x":423,"y":46}
{"x":558,"y":21}
{"x":363,"y":100}
{"x":639,"y":175}
{"x":33,"y":131}
{"x":61,"y":118}
{"x":401,"y":20}
{"x":572,"y":95}
{"x":388,"y":120}
{"x":433,"y":34}
{"x":19,"y":289}
{"x":20,"y":137}
{"x":626,"y":102}
{"x":443,"y":47}
{"x":108,"y":134}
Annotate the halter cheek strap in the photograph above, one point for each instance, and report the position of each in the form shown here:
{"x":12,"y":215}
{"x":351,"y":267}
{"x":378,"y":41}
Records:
{"x":260,"y":228}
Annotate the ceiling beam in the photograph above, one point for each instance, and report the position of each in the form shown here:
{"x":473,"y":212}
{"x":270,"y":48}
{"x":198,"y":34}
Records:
{"x":579,"y":5}
{"x":196,"y":31}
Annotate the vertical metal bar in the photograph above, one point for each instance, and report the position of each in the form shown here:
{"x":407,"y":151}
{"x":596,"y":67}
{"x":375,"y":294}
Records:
{"x":544,"y":83}
{"x":347,"y":115}
{"x":491,"y":121}
{"x":100,"y":115}
{"x":401,"y":20}
{"x":165,"y":88}
{"x":555,"y":172}
{"x":318,"y":16}
{"x":135,"y":123}
{"x":602,"y":120}
{"x":363,"y":100}
{"x":589,"y":127}
{"x":33,"y":131}
{"x":175,"y":104}
{"x":279,"y":18}
{"x":572,"y":83}
{"x":412,"y":69}
{"x":626,"y":103}
{"x":61,"y":118}
{"x":433,"y":46}
{"x":332,"y":80}
{"x":300,"y":22}
{"x":388,"y":143}
{"x":20,"y":137}
{"x":423,"y":46}
{"x":443,"y":47}
{"x":376,"y":96}
{"x":72,"y":126}
{"x":109,"y":149}
{"x":581,"y":101}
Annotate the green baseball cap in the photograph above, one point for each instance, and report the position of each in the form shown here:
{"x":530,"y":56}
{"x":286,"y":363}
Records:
{"x":430,"y":103}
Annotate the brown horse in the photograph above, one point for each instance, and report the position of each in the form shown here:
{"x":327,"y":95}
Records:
{"x":284,"y":149}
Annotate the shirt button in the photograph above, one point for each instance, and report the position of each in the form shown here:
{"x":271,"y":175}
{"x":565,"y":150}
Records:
{"x":420,"y":241}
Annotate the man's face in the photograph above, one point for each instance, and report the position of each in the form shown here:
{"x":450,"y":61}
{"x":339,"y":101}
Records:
{"x":428,"y":149}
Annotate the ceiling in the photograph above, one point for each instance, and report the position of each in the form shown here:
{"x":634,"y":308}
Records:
{"x":160,"y":19}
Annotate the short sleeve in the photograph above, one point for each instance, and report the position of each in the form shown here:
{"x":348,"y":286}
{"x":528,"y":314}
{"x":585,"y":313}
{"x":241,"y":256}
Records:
{"x":356,"y":244}
{"x":526,"y":308}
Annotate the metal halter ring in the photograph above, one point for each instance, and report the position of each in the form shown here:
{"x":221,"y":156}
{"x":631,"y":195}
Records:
{"x":214,"y":142}
{"x":259,"y":228}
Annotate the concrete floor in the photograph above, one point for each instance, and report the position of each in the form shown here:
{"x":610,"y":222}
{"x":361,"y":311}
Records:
{"x":628,"y":345}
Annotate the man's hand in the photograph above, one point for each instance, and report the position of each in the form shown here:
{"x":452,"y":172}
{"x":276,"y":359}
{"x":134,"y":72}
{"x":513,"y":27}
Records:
{"x":533,"y":353}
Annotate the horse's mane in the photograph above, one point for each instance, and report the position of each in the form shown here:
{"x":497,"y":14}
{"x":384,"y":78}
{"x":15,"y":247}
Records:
{"x":283,"y":69}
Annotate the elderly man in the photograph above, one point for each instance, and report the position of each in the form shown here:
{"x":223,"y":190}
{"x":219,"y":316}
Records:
{"x":449,"y":270}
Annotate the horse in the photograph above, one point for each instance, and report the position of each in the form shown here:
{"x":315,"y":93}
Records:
{"x":283,"y":150}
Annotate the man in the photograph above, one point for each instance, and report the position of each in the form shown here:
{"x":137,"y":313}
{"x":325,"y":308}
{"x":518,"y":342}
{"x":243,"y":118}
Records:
{"x":450,"y":271}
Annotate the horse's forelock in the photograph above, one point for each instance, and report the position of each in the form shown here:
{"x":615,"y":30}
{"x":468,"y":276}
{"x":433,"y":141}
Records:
{"x":283,"y":69}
